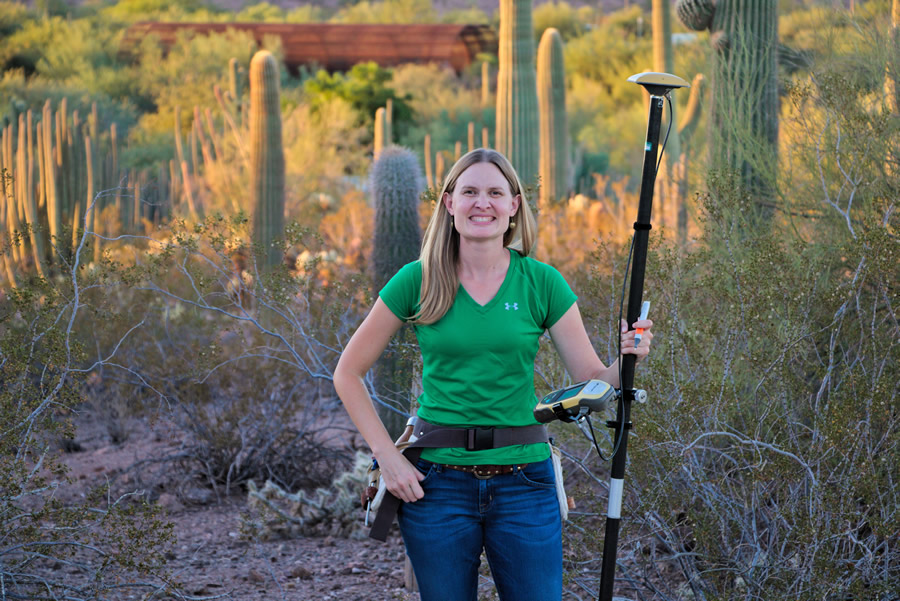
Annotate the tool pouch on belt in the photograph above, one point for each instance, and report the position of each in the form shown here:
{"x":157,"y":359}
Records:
{"x":425,"y":435}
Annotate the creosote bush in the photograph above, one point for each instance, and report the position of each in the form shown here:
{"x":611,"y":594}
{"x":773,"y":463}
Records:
{"x":51,"y":545}
{"x":241,"y":358}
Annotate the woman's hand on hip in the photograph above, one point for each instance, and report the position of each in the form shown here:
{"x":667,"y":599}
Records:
{"x":643,"y":347}
{"x":401,"y":477}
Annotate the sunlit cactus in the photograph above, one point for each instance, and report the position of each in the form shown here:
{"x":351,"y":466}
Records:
{"x":267,"y":169}
{"x":517,"y":106}
{"x":485,"y":84}
{"x":48,"y":172}
{"x":378,"y":135}
{"x":235,"y":85}
{"x":554,"y":128}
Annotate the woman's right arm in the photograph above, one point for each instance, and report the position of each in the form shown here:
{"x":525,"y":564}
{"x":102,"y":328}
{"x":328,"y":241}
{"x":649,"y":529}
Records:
{"x":365,"y":346}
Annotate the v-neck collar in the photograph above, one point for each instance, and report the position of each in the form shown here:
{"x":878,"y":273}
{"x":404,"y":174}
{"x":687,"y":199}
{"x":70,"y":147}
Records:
{"x":513,"y":256}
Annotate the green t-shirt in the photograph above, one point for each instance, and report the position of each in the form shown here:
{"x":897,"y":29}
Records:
{"x":478,"y":361}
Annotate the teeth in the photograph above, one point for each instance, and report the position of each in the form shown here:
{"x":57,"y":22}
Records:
{"x":482,"y":219}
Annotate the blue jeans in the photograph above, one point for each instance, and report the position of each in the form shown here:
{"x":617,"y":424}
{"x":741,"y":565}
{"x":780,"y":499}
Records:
{"x":513,"y":517}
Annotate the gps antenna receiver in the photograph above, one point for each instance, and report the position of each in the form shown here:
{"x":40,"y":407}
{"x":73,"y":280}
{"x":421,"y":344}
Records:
{"x":658,"y":83}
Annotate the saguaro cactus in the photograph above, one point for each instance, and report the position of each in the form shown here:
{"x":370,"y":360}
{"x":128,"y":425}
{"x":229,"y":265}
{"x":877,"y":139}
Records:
{"x":672,"y":188}
{"x":485,"y":84}
{"x":517,"y":107}
{"x":744,"y":107}
{"x":892,"y":74}
{"x":396,"y":182}
{"x":554,"y":129}
{"x":379,"y":133}
{"x":266,"y":156}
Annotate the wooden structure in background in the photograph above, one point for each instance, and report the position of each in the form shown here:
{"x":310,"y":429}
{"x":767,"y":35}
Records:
{"x":339,"y":47}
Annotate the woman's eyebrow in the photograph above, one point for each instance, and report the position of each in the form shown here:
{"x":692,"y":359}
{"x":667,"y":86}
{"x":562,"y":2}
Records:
{"x":475,"y":187}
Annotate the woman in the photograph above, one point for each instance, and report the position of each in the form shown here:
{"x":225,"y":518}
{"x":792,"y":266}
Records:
{"x":478,"y":308}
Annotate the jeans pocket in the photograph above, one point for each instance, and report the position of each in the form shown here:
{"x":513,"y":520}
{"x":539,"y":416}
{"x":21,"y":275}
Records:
{"x":538,"y":475}
{"x":425,"y":468}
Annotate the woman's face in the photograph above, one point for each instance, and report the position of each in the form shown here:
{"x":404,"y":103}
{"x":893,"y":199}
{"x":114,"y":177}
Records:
{"x":481,"y":203}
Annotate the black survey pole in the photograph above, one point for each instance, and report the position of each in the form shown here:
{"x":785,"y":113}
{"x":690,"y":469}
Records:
{"x":658,"y":84}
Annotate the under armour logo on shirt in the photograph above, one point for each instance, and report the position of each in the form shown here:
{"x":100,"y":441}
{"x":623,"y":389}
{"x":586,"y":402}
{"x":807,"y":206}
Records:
{"x":512,"y":306}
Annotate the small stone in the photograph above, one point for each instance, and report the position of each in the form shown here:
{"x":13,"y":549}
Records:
{"x":168,"y":501}
{"x":255,"y":575}
{"x":300,"y":572}
{"x":199,"y":496}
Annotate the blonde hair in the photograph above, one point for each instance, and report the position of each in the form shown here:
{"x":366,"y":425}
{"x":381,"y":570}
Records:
{"x":440,"y":245}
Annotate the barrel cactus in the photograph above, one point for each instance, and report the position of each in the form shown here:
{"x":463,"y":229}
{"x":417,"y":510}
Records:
{"x":396,"y":183}
{"x":517,"y":106}
{"x":744,"y":107}
{"x":267,"y":170}
{"x":554,"y":129}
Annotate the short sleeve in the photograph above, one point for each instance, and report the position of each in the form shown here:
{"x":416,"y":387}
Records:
{"x":557,"y":294}
{"x":401,"y":293}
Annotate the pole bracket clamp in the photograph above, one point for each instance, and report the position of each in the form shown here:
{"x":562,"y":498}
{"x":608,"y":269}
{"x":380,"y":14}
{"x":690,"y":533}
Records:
{"x":642,"y":226}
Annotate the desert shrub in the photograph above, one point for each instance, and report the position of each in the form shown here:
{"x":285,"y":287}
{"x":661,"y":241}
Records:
{"x":306,"y":14}
{"x":12,"y":16}
{"x":187,"y":74}
{"x":238,"y":359}
{"x":570,"y":21}
{"x":326,"y":154}
{"x":56,"y":542}
{"x":160,"y":10}
{"x":443,"y":105}
{"x":466,"y":16}
{"x":387,"y":11}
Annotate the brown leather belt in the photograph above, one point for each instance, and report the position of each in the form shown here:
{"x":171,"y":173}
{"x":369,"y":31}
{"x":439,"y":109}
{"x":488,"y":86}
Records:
{"x":483,"y":472}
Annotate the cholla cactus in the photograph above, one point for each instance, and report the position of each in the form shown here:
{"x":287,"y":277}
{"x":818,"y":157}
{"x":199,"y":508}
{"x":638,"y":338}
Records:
{"x":267,"y":170}
{"x":334,"y":510}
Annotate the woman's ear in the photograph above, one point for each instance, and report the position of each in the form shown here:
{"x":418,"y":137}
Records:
{"x":448,"y":202}
{"x":517,"y":200}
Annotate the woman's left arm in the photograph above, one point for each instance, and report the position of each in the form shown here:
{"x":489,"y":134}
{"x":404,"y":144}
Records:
{"x":578,"y":355}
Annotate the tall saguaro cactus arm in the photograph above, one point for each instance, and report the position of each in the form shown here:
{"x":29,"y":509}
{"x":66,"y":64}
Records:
{"x":517,"y":111}
{"x":267,"y":170}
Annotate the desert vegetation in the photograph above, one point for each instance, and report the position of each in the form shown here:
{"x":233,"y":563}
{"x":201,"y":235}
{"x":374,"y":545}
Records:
{"x":190,"y":235}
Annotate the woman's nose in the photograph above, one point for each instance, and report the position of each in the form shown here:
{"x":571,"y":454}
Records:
{"x":482,"y":200}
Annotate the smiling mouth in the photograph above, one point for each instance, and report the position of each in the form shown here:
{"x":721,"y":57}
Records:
{"x":482,"y":219}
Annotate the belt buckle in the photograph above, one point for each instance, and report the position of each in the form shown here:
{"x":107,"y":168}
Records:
{"x":479,"y":439}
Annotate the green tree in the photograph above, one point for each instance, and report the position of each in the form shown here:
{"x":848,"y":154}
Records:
{"x":366,"y":87}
